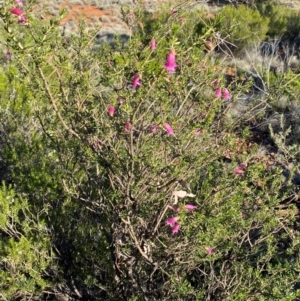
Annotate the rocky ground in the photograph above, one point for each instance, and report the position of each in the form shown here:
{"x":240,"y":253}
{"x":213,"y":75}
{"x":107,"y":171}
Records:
{"x":106,"y":14}
{"x":292,"y":4}
{"x":103,"y":14}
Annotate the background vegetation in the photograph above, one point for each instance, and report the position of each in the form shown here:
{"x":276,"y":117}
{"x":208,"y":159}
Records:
{"x":150,"y":171}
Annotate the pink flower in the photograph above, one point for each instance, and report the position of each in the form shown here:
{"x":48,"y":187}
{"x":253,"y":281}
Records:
{"x":181,"y":20}
{"x":8,"y":54}
{"x":128,"y":126}
{"x":208,"y":250}
{"x":136,"y":81}
{"x":170,"y":64}
{"x":169,"y":129}
{"x":130,"y":15}
{"x":219,"y":93}
{"x":238,"y":171}
{"x":111,"y":110}
{"x":173,"y":11}
{"x":242,"y":166}
{"x":19,"y":2}
{"x":121,"y":100}
{"x":216,"y":82}
{"x":198,"y":132}
{"x":22,"y":19}
{"x":176,"y":228}
{"x":190,"y":207}
{"x":223,"y":93}
{"x":153,"y":44}
{"x":153,"y":128}
{"x":172,"y":221}
{"x":226,"y":94}
{"x":17,"y":11}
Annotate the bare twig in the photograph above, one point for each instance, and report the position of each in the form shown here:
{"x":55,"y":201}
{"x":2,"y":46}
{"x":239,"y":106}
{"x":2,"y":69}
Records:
{"x":161,"y":216}
{"x":133,"y":236}
{"x":53,"y":102}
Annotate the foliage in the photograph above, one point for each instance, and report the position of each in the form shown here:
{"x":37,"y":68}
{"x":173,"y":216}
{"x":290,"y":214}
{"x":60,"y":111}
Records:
{"x":242,"y":26}
{"x":279,"y":17}
{"x":24,"y":248}
{"x":283,"y":21}
{"x":104,"y":142}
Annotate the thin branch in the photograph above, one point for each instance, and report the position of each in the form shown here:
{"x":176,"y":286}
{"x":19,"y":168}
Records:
{"x":161,"y":216}
{"x":133,"y":236}
{"x":71,"y":131}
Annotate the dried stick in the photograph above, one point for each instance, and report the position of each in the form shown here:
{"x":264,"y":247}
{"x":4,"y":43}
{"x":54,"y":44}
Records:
{"x":133,"y":236}
{"x":55,"y":106}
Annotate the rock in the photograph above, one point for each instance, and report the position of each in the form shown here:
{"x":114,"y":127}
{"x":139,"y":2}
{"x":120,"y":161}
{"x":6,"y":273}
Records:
{"x":107,"y":12}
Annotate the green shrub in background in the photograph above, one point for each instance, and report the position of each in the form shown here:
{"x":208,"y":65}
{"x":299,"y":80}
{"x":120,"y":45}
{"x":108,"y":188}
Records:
{"x":242,"y":26}
{"x":279,"y":17}
{"x":283,"y":21}
{"x":124,"y":157}
{"x":293,"y":27}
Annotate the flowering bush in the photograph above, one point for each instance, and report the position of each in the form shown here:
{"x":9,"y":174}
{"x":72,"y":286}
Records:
{"x":143,"y":194}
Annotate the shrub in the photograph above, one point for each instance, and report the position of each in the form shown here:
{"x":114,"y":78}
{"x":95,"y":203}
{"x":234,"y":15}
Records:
{"x":283,"y":21}
{"x":145,"y":192}
{"x":278,"y":15}
{"x":24,"y":248}
{"x":242,"y":26}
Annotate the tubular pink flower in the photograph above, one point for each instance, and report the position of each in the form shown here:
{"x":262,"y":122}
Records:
{"x":216,"y":83}
{"x":172,"y":221}
{"x":17,"y":11}
{"x":130,"y":15}
{"x":226,"y":94}
{"x":198,"y":132}
{"x":111,"y":111}
{"x":153,"y":128}
{"x":20,"y":2}
{"x":238,"y":171}
{"x":169,"y":129}
{"x":153,"y":44}
{"x":242,"y":166}
{"x":128,"y":126}
{"x":190,"y":207}
{"x":219,"y":93}
{"x":208,"y":250}
{"x":121,"y":100}
{"x":170,"y":64}
{"x":136,"y":81}
{"x":22,"y":19}
{"x":176,"y":228}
